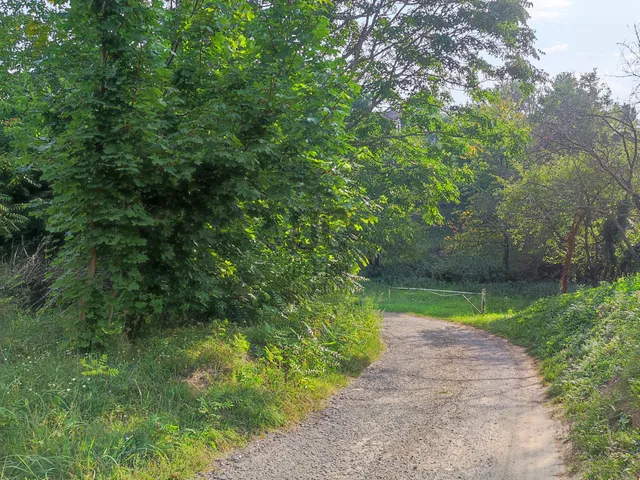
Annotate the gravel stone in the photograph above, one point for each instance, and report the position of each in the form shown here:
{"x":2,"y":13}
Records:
{"x":445,"y":401}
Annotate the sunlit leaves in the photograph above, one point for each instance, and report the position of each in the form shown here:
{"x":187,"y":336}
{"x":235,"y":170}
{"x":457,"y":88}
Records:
{"x":198,"y":158}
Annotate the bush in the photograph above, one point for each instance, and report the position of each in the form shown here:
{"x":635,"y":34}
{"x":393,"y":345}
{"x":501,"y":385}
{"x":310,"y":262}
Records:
{"x":23,"y":275}
{"x":161,"y":407}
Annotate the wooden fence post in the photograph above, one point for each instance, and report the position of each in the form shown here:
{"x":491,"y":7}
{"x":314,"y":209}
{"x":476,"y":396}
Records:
{"x":483,"y":301}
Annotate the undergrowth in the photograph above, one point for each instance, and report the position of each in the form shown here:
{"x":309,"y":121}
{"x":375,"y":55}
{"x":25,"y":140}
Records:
{"x":588,"y":344}
{"x":165,"y":406}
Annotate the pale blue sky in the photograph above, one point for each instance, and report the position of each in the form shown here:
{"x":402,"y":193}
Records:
{"x":579,"y":35}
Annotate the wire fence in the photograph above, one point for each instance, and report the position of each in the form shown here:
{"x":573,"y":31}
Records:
{"x":451,"y":293}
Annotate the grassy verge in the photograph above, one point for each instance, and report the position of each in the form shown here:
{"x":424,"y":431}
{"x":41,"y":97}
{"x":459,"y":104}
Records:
{"x":502,"y":299}
{"x":588,"y":344}
{"x":164,"y":407}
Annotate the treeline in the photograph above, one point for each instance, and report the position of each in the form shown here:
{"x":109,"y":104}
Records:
{"x":171,"y":161}
{"x":561,"y":204}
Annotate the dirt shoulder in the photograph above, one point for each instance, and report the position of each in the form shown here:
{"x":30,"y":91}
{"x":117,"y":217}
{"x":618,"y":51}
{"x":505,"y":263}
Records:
{"x":444,"y":402}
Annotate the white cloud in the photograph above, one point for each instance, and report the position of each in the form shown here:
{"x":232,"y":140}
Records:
{"x":548,"y":9}
{"x":558,"y":47}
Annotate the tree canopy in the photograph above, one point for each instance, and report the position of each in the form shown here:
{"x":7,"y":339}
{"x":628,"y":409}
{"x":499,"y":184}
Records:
{"x":197,"y":157}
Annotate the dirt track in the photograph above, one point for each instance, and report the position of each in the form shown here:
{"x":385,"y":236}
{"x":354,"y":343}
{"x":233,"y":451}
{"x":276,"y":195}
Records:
{"x":444,"y":402}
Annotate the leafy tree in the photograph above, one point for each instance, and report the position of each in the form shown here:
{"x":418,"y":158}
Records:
{"x":11,"y":216}
{"x":552,"y":203}
{"x":578,"y":118}
{"x":566,"y":201}
{"x":220,"y":157}
{"x":410,"y":165}
{"x":468,"y":150}
{"x":480,"y":231}
{"x":183,"y":142}
{"x":20,"y":182}
{"x":414,"y":141}
{"x":397,"y":49}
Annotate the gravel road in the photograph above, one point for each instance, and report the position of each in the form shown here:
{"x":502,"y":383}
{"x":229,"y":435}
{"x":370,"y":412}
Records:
{"x":444,"y":402}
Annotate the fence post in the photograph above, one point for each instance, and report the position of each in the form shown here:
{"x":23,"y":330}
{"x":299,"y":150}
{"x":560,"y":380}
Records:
{"x":483,"y":301}
{"x":389,"y":295}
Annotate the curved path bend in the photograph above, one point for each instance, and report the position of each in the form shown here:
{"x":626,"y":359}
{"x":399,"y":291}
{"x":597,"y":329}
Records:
{"x":444,"y":402}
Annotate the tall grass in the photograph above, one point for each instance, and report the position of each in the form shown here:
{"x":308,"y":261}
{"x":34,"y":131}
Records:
{"x":164,"y":407}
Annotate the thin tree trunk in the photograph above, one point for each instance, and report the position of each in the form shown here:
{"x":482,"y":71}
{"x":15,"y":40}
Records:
{"x":597,"y":263}
{"x":592,"y":273}
{"x":93,"y":261}
{"x":627,"y":242}
{"x":505,"y":252}
{"x":93,"y":255}
{"x":571,"y":244}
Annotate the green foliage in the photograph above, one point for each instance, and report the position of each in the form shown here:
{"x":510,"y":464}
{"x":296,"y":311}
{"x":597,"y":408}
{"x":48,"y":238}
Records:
{"x":551,"y":191}
{"x":206,"y":157}
{"x":177,"y":161}
{"x":20,"y":184}
{"x":481,"y":245}
{"x":11,"y":217}
{"x":410,"y":166}
{"x":398,"y":50}
{"x":413,"y":157}
{"x":165,"y":406}
{"x":464,"y":157}
{"x":97,"y":367}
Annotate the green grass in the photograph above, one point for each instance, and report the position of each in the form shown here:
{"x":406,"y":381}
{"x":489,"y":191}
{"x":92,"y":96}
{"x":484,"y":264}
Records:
{"x":165,"y":406}
{"x":588,"y":345}
{"x":501,"y":299}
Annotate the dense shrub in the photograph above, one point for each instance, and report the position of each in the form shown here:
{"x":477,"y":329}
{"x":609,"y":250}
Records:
{"x":162,"y":407}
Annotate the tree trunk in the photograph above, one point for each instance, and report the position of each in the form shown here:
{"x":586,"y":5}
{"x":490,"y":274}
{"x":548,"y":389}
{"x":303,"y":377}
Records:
{"x":609,"y":235}
{"x":571,"y":244}
{"x":505,"y":252}
{"x":627,"y":242}
{"x":91,"y":273}
{"x":591,"y":272}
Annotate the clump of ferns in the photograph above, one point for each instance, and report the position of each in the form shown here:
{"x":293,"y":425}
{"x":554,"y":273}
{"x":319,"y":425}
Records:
{"x":11,"y":216}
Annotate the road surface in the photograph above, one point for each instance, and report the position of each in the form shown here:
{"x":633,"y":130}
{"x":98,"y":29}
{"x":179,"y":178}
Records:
{"x":444,"y":402}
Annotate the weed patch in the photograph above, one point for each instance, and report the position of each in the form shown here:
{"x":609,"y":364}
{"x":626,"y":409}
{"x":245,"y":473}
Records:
{"x":165,"y":406}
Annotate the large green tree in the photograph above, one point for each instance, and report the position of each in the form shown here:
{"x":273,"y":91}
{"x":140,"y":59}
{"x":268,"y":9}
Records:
{"x":396,"y":49}
{"x":185,"y":142}
{"x":578,"y":118}
{"x":414,"y":140}
{"x":483,"y":246}
{"x":215,"y":157}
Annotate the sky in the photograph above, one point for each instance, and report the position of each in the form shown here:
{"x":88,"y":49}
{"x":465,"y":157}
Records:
{"x":580,"y":35}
